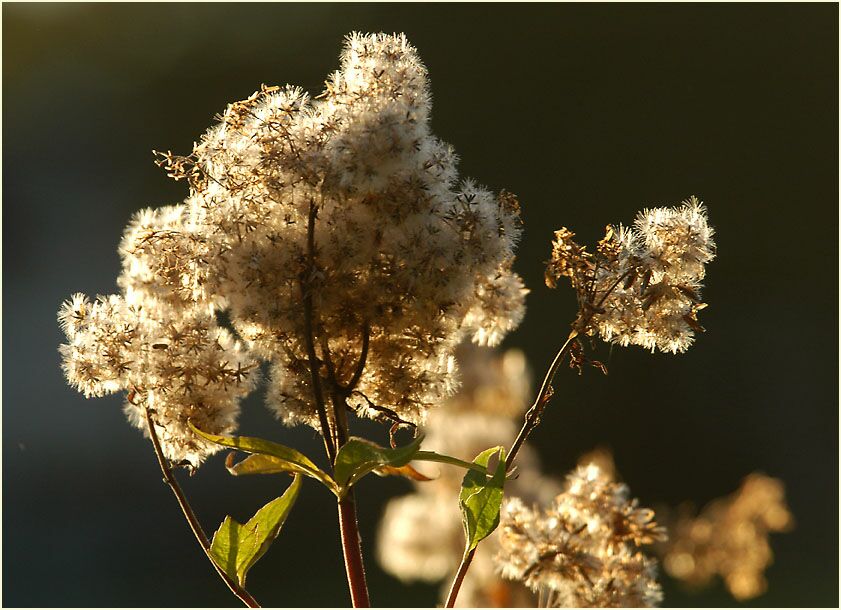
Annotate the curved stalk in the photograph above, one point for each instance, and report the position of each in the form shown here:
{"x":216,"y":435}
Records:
{"x":169,"y":478}
{"x":466,"y":560}
{"x":543,"y":396}
{"x":352,"y":551}
{"x":333,"y":441}
{"x":306,"y":297}
{"x":532,"y":419}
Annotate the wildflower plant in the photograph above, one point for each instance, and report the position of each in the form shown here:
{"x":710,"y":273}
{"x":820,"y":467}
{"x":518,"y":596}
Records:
{"x":331,"y":240}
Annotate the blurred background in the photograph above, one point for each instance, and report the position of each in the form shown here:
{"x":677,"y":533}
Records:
{"x":587,"y":112}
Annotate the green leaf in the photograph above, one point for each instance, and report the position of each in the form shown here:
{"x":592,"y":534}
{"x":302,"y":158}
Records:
{"x":236,"y":547}
{"x":481,"y":497}
{"x":358,"y":457}
{"x":431,"y":456}
{"x":268,"y":458}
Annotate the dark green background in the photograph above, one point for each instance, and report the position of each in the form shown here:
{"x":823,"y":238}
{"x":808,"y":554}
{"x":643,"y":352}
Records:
{"x":587,"y":112}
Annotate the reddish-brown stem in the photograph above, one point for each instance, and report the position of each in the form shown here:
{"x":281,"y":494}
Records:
{"x":545,"y":394}
{"x":348,"y":526}
{"x":352,"y":550}
{"x":192,"y":520}
{"x":363,"y":357}
{"x":306,"y":297}
{"x":459,"y":578}
{"x":335,"y":439}
{"x":536,"y":410}
{"x":532,"y":419}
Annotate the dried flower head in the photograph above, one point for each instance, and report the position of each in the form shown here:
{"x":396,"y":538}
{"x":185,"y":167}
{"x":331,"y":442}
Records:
{"x":336,"y":236}
{"x":583,"y":550}
{"x":347,"y":204}
{"x":178,"y":362}
{"x":730,"y":538}
{"x":642,"y":285}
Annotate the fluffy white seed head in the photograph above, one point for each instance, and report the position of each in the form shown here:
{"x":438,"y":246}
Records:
{"x":582,"y":550}
{"x":349,"y":199}
{"x":176,"y":361}
{"x":336,"y":225}
{"x":642,"y":286}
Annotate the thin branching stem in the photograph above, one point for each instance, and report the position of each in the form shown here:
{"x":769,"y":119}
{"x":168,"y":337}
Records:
{"x":363,"y":357}
{"x":466,"y":560}
{"x":306,"y":297}
{"x":336,"y":395}
{"x":348,"y":525}
{"x":192,"y":520}
{"x":534,"y":413}
{"x":532,"y":419}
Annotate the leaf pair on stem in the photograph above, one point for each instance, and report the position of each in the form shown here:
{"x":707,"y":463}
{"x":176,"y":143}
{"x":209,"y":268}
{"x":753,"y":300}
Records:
{"x":237,"y":547}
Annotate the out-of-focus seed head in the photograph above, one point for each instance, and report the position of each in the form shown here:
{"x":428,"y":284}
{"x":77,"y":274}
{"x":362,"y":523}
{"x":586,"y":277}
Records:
{"x":583,"y":549}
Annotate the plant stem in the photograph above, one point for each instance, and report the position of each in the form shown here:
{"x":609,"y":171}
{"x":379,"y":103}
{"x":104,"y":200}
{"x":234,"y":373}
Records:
{"x":459,"y":577}
{"x":543,"y":396}
{"x":532,"y":419}
{"x":534,"y":413}
{"x":363,"y":357}
{"x":348,"y":526}
{"x":306,"y":297}
{"x":352,"y":551}
{"x":192,"y":520}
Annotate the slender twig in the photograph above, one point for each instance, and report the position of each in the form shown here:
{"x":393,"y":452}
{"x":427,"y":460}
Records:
{"x":195,"y":526}
{"x":336,"y":395}
{"x":532,"y":418}
{"x":609,"y":290}
{"x":459,"y":578}
{"x":306,"y":297}
{"x":363,"y":357}
{"x":348,"y":526}
{"x":352,"y":550}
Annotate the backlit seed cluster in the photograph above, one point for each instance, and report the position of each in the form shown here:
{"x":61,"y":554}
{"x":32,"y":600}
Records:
{"x":176,"y":361}
{"x":583,"y":549}
{"x":642,"y":285}
{"x":336,"y":237}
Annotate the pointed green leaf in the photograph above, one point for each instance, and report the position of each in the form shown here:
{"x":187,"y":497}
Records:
{"x":236,"y":547}
{"x":358,"y":457}
{"x":481,"y":497}
{"x":261,"y":463}
{"x":285,"y":459}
